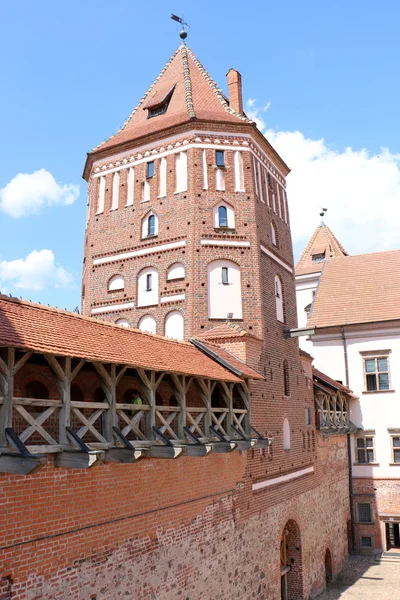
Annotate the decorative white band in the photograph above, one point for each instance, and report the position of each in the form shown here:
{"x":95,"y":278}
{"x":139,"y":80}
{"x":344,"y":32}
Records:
{"x":111,"y":308}
{"x":174,"y":298}
{"x":224,"y":243}
{"x":282,"y":479}
{"x":141,"y":252}
{"x":275,"y":258}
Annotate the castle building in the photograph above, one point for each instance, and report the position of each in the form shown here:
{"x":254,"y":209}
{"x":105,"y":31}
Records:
{"x":352,"y":305}
{"x":184,"y":352}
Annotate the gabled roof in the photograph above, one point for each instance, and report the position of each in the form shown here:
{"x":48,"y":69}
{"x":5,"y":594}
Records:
{"x":322,"y":241}
{"x":230,"y":360}
{"x":41,"y":329}
{"x":194,"y":96}
{"x":327,"y":384}
{"x":224,"y":331}
{"x":358,"y":289}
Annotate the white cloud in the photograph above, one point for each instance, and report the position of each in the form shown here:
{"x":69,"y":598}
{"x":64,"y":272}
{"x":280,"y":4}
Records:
{"x":361,"y":190}
{"x":256,"y":114}
{"x":27,"y":193}
{"x":35,"y":272}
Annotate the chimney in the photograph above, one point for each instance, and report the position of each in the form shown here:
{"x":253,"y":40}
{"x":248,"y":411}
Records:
{"x":235,"y":90}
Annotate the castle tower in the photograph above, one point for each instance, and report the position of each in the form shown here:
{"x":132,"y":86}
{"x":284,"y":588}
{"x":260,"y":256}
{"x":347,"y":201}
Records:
{"x":188,"y":222}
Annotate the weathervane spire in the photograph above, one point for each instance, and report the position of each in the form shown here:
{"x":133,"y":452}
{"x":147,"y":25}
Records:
{"x":183,"y":33}
{"x":322,"y":214}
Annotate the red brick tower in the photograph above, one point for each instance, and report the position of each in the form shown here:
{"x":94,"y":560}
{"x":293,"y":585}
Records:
{"x":188,"y":236}
{"x":187,"y":181}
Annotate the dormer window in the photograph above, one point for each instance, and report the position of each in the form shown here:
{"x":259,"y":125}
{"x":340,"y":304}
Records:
{"x":317,"y":258}
{"x":158,"y":103}
{"x":150,"y":170}
{"x":219,"y":158}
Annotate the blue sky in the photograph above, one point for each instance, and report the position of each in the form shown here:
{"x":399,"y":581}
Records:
{"x":329,"y":73}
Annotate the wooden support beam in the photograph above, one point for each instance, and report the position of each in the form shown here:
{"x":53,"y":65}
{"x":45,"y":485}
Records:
{"x":206,"y":390}
{"x":21,"y":362}
{"x":227,"y":393}
{"x":179,"y":383}
{"x":8,"y":385}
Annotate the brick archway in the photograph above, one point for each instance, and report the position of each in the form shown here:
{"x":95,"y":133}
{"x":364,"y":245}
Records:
{"x":291,"y":562}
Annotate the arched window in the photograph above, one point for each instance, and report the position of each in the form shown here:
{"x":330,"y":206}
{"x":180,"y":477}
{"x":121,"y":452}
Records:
{"x":279,"y":299}
{"x":174,"y":325}
{"x":286,"y":435}
{"x":176,"y":271}
{"x":36,"y":389}
{"x":148,"y":323}
{"x":274,"y":237}
{"x":147,"y":294}
{"x":116,"y":282}
{"x":150,"y":226}
{"x":224,"y":290}
{"x":123,"y":323}
{"x":223,"y":216}
{"x":286,"y":378}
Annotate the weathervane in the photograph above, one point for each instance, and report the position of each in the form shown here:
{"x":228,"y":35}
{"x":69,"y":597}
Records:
{"x":183,"y":33}
{"x":322,"y":214}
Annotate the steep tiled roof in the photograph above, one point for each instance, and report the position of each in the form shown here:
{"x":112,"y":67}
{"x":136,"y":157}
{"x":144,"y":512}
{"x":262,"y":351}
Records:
{"x":234,"y":361}
{"x":358,"y":289}
{"x":195,"y":96}
{"x":328,"y":383}
{"x":321,"y":241}
{"x":41,"y":329}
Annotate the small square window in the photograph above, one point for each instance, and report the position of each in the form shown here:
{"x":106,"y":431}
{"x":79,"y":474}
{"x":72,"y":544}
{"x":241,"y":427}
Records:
{"x":150,"y":170}
{"x":366,"y":541}
{"x":365,"y":450}
{"x":317,"y":258}
{"x":364,"y":513}
{"x":225,"y":279}
{"x":219,"y":158}
{"x":149,"y":278}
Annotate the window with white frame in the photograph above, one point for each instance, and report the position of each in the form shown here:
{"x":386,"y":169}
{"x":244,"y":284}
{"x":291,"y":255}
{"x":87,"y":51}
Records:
{"x":148,"y":323}
{"x":150,"y":169}
{"x":364,"y":512}
{"x":365,"y":448}
{"x":279,"y":299}
{"x":223,"y":216}
{"x":224,"y":290}
{"x":147,"y":294}
{"x":376,"y":373}
{"x":220,"y":158}
{"x":150,"y":225}
{"x":395,"y":443}
{"x":176,"y":271}
{"x":116,"y":283}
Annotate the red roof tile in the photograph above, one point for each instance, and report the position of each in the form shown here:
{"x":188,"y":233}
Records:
{"x":331,"y":383}
{"x":42,"y":329}
{"x":195,"y":96}
{"x":234,"y":361}
{"x":358,"y":289}
{"x":322,"y":241}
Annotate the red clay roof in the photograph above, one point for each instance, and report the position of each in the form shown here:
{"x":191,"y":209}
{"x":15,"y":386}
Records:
{"x":226,"y":330}
{"x":195,"y":96}
{"x":358,"y":289}
{"x":331,"y":383}
{"x":42,"y":329}
{"x":321,"y":241}
{"x":234,"y":361}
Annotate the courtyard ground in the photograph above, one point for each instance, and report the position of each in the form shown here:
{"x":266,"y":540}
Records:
{"x":365,"y":579}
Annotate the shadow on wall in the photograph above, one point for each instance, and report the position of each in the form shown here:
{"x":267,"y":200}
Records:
{"x":353,"y":571}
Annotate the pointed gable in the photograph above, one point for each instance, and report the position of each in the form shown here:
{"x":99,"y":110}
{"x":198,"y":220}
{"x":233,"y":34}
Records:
{"x":322,"y":246}
{"x":190,"y":93}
